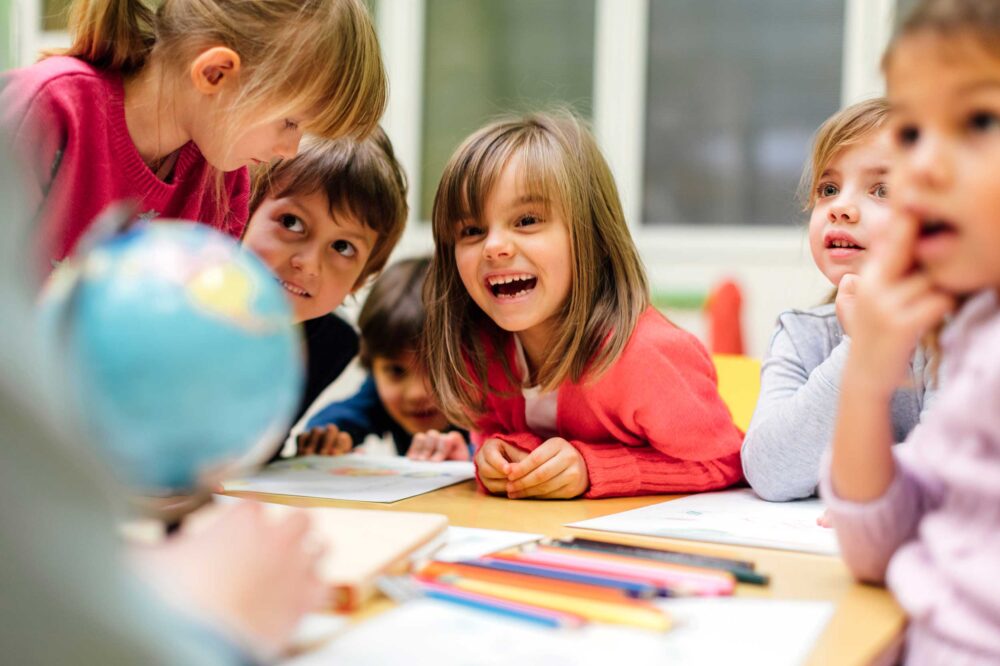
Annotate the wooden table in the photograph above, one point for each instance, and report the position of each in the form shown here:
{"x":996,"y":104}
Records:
{"x":866,"y":627}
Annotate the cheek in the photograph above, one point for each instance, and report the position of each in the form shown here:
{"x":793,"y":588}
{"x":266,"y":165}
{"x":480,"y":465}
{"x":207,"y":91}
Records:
{"x":466,"y":263}
{"x":390,"y":394}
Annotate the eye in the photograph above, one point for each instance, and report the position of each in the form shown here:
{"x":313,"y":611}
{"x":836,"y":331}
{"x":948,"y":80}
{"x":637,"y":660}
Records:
{"x":395,"y":371}
{"x":470,"y":231}
{"x":527,"y":220}
{"x":983,"y":121}
{"x":344,"y":248}
{"x":290,"y":125}
{"x":880,"y":191}
{"x":292,"y":223}
{"x":827,"y":190}
{"x":907,"y":135}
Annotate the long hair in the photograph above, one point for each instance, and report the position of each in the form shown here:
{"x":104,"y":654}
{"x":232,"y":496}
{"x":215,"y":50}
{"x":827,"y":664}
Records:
{"x":561,"y":161}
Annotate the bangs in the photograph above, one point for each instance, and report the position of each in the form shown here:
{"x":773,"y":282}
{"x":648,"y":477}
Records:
{"x":471,"y":176}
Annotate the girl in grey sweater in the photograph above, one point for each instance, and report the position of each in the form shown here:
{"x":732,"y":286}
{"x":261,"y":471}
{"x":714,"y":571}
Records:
{"x":800,"y":378}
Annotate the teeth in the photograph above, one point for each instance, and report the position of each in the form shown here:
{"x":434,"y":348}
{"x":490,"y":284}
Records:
{"x":504,"y":279}
{"x":843,"y":244}
{"x":292,"y":288}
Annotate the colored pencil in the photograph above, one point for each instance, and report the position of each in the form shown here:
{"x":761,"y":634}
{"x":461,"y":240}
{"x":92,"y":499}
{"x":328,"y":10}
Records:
{"x":635,"y":589}
{"x":743,"y":571}
{"x":446,"y":571}
{"x":546,"y":617}
{"x":626,"y":612}
{"x":702,"y":582}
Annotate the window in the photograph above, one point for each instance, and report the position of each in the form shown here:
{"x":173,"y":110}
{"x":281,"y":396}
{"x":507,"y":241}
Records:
{"x":485,"y":58}
{"x":735,"y":91}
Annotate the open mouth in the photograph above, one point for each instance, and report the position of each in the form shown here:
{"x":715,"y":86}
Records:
{"x":935,"y":227}
{"x":511,"y":286}
{"x":294,"y":290}
{"x":842,"y":242}
{"x":422,"y":414}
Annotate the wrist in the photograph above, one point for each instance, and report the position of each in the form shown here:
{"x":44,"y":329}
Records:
{"x":863,"y":380}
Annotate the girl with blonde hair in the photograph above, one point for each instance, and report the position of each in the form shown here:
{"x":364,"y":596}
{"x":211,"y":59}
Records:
{"x":167,"y":107}
{"x":844,"y":189}
{"x":540,"y":335}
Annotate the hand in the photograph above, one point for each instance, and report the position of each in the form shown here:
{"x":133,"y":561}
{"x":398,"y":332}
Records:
{"x":326,"y":440}
{"x":555,"y":470}
{"x":825,"y":520}
{"x":492,"y":461}
{"x":894,"y":306}
{"x":253,"y":575}
{"x":847,"y":292}
{"x":437,"y":446}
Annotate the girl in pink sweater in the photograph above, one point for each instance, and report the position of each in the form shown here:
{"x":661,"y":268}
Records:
{"x":169,"y":108}
{"x":540,"y":334}
{"x":925,"y":518}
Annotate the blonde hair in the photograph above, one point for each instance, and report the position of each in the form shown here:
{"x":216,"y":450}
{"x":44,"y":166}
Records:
{"x":282,"y":45}
{"x":362,"y":177}
{"x":560,"y":160}
{"x":847,"y":127}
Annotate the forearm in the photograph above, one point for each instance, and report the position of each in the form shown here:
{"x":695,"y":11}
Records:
{"x":862,"y":466}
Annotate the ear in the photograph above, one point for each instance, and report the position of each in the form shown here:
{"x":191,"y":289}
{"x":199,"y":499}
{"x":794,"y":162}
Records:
{"x":215,"y":68}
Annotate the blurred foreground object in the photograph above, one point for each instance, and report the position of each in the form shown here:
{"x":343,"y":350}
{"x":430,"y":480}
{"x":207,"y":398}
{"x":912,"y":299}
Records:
{"x":181,"y":351}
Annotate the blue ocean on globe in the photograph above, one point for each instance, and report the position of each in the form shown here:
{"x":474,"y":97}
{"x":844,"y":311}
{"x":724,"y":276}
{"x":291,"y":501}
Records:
{"x":182,"y":352}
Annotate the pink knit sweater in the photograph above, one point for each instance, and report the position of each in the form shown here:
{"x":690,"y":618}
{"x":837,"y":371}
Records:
{"x":934,"y":536}
{"x":66,"y":120}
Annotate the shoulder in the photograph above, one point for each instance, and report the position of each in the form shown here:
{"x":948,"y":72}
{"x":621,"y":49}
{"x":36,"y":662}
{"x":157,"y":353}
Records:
{"x":55,"y":78}
{"x":813,"y":330}
{"x":656,"y":342}
{"x":330,"y":328}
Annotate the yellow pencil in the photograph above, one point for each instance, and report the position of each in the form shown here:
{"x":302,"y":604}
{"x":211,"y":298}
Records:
{"x":631,"y":613}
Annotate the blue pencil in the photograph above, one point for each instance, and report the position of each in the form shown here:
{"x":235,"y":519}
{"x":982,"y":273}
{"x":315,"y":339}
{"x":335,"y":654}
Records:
{"x":631,"y":588}
{"x":499,"y":606}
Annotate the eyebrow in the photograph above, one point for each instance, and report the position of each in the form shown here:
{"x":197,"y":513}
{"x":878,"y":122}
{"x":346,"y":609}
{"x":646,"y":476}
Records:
{"x":984,"y":85}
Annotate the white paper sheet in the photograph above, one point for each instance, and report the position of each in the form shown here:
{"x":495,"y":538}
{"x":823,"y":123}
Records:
{"x":717,"y":631}
{"x":354,"y":477}
{"x":466,"y":543}
{"x":733,"y":516}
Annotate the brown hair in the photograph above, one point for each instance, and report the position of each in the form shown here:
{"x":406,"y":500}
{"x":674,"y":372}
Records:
{"x":845,"y":128}
{"x":979,"y":19}
{"x":392,"y":318}
{"x":281,"y":44}
{"x":609,"y":292}
{"x":362,"y":177}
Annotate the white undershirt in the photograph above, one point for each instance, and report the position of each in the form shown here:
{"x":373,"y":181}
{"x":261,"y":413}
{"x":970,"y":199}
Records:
{"x":539,"y":408}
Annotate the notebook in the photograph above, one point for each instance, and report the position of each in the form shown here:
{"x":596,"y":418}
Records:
{"x":362,"y":545}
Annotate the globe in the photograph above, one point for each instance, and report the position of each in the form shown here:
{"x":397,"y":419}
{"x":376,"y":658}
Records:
{"x":182,"y":351}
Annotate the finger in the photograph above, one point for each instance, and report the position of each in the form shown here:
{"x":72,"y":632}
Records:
{"x":328,"y":445}
{"x":536,"y":458}
{"x":457,"y":448}
{"x":344,"y":443}
{"x":542,"y":474}
{"x":309,"y":442}
{"x":493,"y":461}
{"x":562,"y":492}
{"x":848,"y":285}
{"x":893,"y":247}
{"x":440,"y":450}
{"x":928,"y":312}
{"x":418,"y":447}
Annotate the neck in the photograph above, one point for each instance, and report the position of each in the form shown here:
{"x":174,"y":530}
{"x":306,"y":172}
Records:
{"x":535,"y":342}
{"x":152,"y":115}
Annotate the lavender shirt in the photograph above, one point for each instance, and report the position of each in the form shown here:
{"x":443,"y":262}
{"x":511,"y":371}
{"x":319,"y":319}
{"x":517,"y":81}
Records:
{"x":934,"y":536}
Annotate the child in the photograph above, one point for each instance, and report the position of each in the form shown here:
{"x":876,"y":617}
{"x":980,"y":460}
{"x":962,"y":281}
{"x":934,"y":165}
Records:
{"x":800,"y":379}
{"x":540,"y":332}
{"x":926,"y":519}
{"x":324,"y":223}
{"x":396,"y":397}
{"x":168,"y":108}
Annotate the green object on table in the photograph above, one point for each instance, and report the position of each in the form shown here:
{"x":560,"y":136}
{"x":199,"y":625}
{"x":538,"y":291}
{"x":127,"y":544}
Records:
{"x":679,"y":299}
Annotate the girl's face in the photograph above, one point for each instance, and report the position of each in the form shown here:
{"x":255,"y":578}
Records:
{"x":253,"y":141}
{"x":317,"y":256}
{"x":516,"y":262}
{"x":850,"y":202}
{"x":405,"y":391}
{"x":945,"y":95}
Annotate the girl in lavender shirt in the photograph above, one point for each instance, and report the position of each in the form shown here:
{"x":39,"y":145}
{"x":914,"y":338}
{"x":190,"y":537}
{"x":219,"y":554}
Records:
{"x":926,"y":518}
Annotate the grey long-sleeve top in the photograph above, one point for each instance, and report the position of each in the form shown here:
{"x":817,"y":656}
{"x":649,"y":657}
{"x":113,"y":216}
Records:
{"x":795,"y":415}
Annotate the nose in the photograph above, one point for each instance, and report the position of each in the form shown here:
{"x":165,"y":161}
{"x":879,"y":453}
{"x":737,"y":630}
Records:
{"x":306,"y":260}
{"x":288,"y":146}
{"x":499,"y":244}
{"x":845,"y":212}
{"x":929,"y":162}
